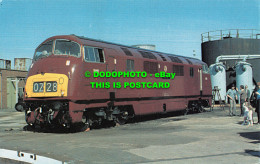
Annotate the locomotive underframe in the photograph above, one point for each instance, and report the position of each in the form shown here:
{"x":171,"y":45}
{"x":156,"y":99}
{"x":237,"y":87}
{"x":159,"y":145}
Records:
{"x":55,"y":113}
{"x":58,"y":113}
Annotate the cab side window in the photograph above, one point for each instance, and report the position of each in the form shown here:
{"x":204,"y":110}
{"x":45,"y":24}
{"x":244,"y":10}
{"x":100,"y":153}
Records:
{"x":130,"y":65}
{"x":191,"y":72}
{"x":94,"y":54}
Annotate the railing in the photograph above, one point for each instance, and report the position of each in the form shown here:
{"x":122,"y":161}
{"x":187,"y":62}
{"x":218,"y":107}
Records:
{"x":232,"y":33}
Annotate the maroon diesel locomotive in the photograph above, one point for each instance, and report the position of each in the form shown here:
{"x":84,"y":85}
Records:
{"x":58,"y":90}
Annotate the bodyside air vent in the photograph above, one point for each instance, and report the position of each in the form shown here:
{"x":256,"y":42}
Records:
{"x":178,"y":70}
{"x":126,"y":51}
{"x":151,"y":67}
{"x":175,"y":59}
{"x":189,"y":61}
{"x":163,"y":58}
{"x":148,"y":55}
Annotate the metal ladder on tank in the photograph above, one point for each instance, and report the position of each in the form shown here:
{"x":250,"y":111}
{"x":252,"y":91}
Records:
{"x":215,"y":92}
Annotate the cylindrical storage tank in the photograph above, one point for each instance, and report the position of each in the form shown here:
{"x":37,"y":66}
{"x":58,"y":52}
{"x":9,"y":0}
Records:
{"x":145,"y":46}
{"x":231,"y":42}
{"x":218,"y":79}
{"x":244,"y":75}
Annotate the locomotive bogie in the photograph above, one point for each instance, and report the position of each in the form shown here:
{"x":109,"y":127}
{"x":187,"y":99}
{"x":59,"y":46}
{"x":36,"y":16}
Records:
{"x":47,"y":112}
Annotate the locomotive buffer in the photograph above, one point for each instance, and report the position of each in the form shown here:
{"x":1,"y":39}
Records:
{"x":214,"y":94}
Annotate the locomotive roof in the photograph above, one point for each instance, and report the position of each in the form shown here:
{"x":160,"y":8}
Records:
{"x":116,"y":44}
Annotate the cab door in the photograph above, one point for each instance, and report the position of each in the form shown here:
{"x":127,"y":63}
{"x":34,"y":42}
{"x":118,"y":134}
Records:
{"x":111,"y":66}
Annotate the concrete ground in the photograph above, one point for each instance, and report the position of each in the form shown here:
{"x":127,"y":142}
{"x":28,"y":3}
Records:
{"x":210,"y":137}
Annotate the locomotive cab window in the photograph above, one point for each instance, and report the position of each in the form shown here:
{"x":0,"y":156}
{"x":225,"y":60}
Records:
{"x":93,"y":54}
{"x":67,"y":47}
{"x":44,"y":50}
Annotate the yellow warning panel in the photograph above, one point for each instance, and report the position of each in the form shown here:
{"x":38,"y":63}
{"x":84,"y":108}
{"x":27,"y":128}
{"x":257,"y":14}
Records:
{"x":47,"y":85}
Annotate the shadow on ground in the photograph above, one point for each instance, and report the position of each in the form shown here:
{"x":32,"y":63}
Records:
{"x":252,"y":136}
{"x":253,"y":152}
{"x":151,"y":117}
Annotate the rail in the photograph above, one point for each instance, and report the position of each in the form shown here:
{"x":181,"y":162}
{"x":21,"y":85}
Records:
{"x":231,"y":33}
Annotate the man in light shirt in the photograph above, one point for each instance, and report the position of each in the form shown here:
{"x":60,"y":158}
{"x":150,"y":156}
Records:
{"x":232,"y":94}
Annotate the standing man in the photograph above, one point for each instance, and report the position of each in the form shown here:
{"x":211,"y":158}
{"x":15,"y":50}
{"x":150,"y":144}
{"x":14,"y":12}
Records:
{"x":242,"y":99}
{"x":247,"y":93}
{"x":232,"y":94}
{"x":257,"y":109}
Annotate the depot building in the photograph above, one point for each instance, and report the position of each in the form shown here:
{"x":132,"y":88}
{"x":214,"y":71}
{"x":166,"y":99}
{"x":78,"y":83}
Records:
{"x":12,"y":81}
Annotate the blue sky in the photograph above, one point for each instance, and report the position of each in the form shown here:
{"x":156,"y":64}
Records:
{"x":174,"y":26}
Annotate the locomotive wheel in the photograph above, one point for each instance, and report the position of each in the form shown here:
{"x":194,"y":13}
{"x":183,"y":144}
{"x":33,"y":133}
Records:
{"x":29,"y":127}
{"x":185,"y":111}
{"x":85,"y":125}
{"x":79,"y":127}
{"x":121,"y":120}
{"x":200,"y":109}
{"x":82,"y":126}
